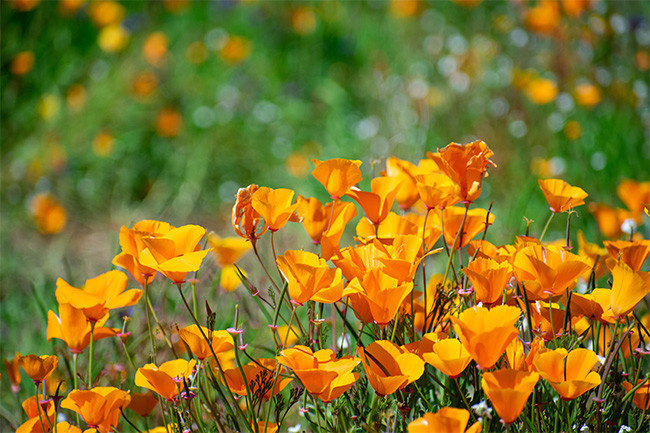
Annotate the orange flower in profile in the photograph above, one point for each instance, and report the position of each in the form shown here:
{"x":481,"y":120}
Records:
{"x":475,"y":223}
{"x":628,"y":289}
{"x":569,"y":373}
{"x":143,"y":403}
{"x":544,"y":18}
{"x":13,"y":372}
{"x":489,"y":278}
{"x":508,"y":390}
{"x":466,"y":165}
{"x":246,"y":221}
{"x":448,"y":356}
{"x":99,"y":295}
{"x":329,"y":242}
{"x":73,"y":327}
{"x":221,"y":341}
{"x":22,"y":63}
{"x":262,"y":369}
{"x":37,"y":411}
{"x":634,"y":194}
{"x":175,"y":253}
{"x":632,"y":253}
{"x":235,"y":50}
{"x":274,"y":205}
{"x":404,"y":172}
{"x":49,"y":215}
{"x":376,"y":204}
{"x":390,"y":367}
{"x":337,"y":175}
{"x":321,"y":373}
{"x":541,"y":91}
{"x":309,"y":278}
{"x":166,"y":379}
{"x":169,"y":122}
{"x":38,"y":368}
{"x":610,"y":219}
{"x":100,"y":407}
{"x":437,"y":190}
{"x":560,"y":195}
{"x":486,"y":333}
{"x":325,"y":224}
{"x":594,"y":306}
{"x":447,"y":419}
{"x":377,"y":297}
{"x":154,"y":48}
{"x":228,"y":251}
{"x":641,"y":397}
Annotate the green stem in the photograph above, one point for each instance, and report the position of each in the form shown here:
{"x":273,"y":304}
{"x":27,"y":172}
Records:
{"x":38,"y":409}
{"x":546,"y":226}
{"x":196,"y":313}
{"x":453,"y":247}
{"x":91,"y":350}
{"x":147,"y":308}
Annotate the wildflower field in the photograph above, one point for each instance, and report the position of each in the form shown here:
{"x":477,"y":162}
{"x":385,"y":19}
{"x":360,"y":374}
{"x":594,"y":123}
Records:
{"x":368,"y":216}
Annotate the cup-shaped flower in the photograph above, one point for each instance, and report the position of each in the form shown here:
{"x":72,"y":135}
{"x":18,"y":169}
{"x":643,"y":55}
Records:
{"x":594,"y":306}
{"x":13,"y":372}
{"x":632,"y":253}
{"x":628,"y":289}
{"x":377,"y":203}
{"x":447,"y":420}
{"x":489,"y":278}
{"x":404,"y":172}
{"x":389,"y":367}
{"x":560,"y":195}
{"x":167,"y":379}
{"x":221,"y":341}
{"x":508,"y":390}
{"x":641,"y":398}
{"x":321,"y":373}
{"x":261,"y":372}
{"x":73,"y":327}
{"x":143,"y":403}
{"x":131,"y":244}
{"x":569,"y":373}
{"x":448,"y":356}
{"x":377,"y":298}
{"x":98,"y":295}
{"x":486,"y":333}
{"x":476,"y":222}
{"x":437,"y":190}
{"x":309,"y":278}
{"x":32,"y":407}
{"x":100,"y":407}
{"x":274,"y":205}
{"x":337,"y":175}
{"x":38,"y":368}
{"x":175,"y":253}
{"x":246,"y":221}
{"x":325,"y":224}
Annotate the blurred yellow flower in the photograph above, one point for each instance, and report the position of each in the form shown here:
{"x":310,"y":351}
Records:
{"x":113,"y":38}
{"x":541,"y":91}
{"x":48,"y":106}
{"x":75,"y":96}
{"x":103,"y":144}
{"x":154,"y":48}
{"x":587,"y":95}
{"x":404,"y":8}
{"x":196,"y":52}
{"x":106,"y":12}
{"x":572,"y":130}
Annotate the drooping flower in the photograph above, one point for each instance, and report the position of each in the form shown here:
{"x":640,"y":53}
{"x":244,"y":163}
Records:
{"x":100,"y":407}
{"x":337,"y":175}
{"x":167,"y":379}
{"x":246,"y":221}
{"x":447,"y":419}
{"x":377,"y":203}
{"x":38,"y":368}
{"x":449,"y":356}
{"x":73,"y":327}
{"x":560,"y":195}
{"x":274,"y":205}
{"x":389,"y":367}
{"x":508,"y":390}
{"x":221,"y":341}
{"x":489,"y":278}
{"x":569,"y":373}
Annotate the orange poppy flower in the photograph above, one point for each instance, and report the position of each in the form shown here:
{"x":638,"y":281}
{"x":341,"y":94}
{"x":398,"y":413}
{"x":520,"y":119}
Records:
{"x":609,"y":219}
{"x":547,"y":318}
{"x":267,"y":427}
{"x":378,"y":296}
{"x":546,"y":271}
{"x":433,"y":228}
{"x":329,"y":242}
{"x":569,"y":373}
{"x":246,"y":221}
{"x":489,"y":278}
{"x":99,"y":294}
{"x":632,"y":253}
{"x":483,"y":249}
{"x":32,"y":407}
{"x":221,"y":341}
{"x":466,"y":165}
{"x":261,"y":369}
{"x":314,"y":216}
{"x":634,"y":194}
{"x":594,"y":254}
{"x":544,"y":18}
{"x":377,"y":203}
{"x":154,"y":48}
{"x":508,"y":390}
{"x":38,"y":368}
{"x":475,"y":223}
{"x":641,"y":397}
{"x":389,"y":367}
{"x":594,"y":306}
{"x":486,"y":333}
{"x":630,"y":341}
{"x":132,"y":245}
{"x":100,"y":407}
{"x":274,"y":205}
{"x":404,"y":172}
{"x":541,"y":91}
{"x":309,"y":278}
{"x":227,"y":252}
{"x":337,"y":175}
{"x":437,"y":190}
{"x":13,"y":372}
{"x":143,"y":403}
{"x":560,"y":195}
{"x":448,"y":356}
{"x":321,"y":373}
{"x":235,"y":50}
{"x":447,"y":419}
{"x":425,"y":344}
{"x":628,"y":289}
{"x":73,"y":327}
{"x":50,"y":216}
{"x":168,"y":122}
{"x":166,"y":379}
{"x":175,"y":253}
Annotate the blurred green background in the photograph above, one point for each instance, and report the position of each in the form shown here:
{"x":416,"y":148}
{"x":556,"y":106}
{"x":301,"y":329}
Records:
{"x":122,"y":111}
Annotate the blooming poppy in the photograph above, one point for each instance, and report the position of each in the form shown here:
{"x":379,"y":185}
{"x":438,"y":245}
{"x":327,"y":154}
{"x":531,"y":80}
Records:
{"x":447,"y":419}
{"x":508,"y":390}
{"x":13,"y":372}
{"x":227,"y":252}
{"x":274,"y":205}
{"x":309,"y":278}
{"x":594,"y":253}
{"x":166,"y":379}
{"x":448,"y":356}
{"x":100,"y":407}
{"x":404,"y":171}
{"x":36,"y":411}
{"x":389,"y":367}
{"x":320,"y":372}
{"x":560,"y":195}
{"x":175,"y":253}
{"x":50,"y":216}
{"x":632,"y":253}
{"x":314,"y":217}
{"x":486,"y":333}
{"x":73,"y":327}
{"x":489,"y":278}
{"x":377,"y":297}
{"x":377,"y":203}
{"x":634,"y":194}
{"x":261,"y":370}
{"x":477,"y":221}
{"x":38,"y":368}
{"x":221,"y":341}
{"x":594,"y":306}
{"x":99,"y":294}
{"x":628,"y":289}
{"x":569,"y":373}
{"x":143,"y":403}
{"x":246,"y":221}
{"x":437,"y":190}
{"x":337,"y":175}
{"x":641,"y":398}
{"x":266,"y":427}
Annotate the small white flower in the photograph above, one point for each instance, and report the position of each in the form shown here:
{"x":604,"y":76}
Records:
{"x":628,"y":226}
{"x":294,"y":429}
{"x":584,"y":428}
{"x":624,"y":429}
{"x":482,"y":409}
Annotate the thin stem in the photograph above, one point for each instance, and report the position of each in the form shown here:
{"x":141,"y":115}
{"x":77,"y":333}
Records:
{"x":462,"y":395}
{"x":146,"y":298}
{"x":453,"y":247}
{"x":38,"y":409}
{"x":546,"y":226}
{"x":91,"y":348}
{"x":196,"y":313}
{"x":424,"y":270}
